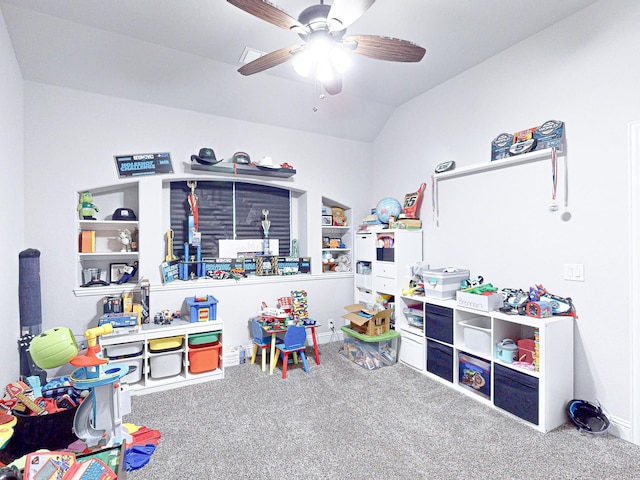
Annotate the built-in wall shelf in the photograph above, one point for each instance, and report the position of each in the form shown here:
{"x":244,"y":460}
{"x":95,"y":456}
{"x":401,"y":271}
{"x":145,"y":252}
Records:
{"x":235,"y":168}
{"x":495,"y":165}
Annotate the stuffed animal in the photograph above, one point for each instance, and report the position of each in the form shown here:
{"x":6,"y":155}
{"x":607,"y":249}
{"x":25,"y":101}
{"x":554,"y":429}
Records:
{"x":86,"y":206}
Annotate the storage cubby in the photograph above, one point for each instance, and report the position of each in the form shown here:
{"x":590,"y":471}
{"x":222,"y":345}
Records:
{"x":337,"y":237}
{"x":169,"y":354}
{"x":459,"y":350}
{"x":101,"y":254}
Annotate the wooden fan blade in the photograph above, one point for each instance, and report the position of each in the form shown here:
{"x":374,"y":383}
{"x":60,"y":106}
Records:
{"x":269,"y":60}
{"x":385,"y":48}
{"x":344,"y":12}
{"x":334,"y":86}
{"x":270,"y":13}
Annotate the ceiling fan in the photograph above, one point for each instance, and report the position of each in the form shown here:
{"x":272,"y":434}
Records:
{"x":326,"y":48}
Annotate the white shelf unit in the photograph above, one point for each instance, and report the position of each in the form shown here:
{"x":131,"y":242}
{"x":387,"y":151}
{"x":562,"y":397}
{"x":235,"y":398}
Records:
{"x":522,"y":159}
{"x":147,"y":384}
{"x":550,"y":387}
{"x":107,"y":245}
{"x":384,"y":257}
{"x":343,"y":234}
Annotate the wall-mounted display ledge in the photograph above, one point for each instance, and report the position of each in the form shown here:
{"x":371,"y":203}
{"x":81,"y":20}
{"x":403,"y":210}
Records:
{"x":231,"y":168}
{"x":496,"y":164}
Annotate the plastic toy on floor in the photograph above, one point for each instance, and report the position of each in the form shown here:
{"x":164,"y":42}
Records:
{"x":98,"y":419}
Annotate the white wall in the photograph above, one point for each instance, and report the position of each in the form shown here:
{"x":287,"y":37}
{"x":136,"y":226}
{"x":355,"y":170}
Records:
{"x":584,"y":71}
{"x":70,"y":139}
{"x":12,"y":212}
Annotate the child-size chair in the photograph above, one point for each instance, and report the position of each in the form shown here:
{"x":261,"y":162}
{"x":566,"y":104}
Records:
{"x":293,"y":343}
{"x":261,"y":341}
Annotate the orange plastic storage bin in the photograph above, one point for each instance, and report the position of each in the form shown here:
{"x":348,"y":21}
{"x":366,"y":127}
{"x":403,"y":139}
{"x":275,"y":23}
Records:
{"x":204,"y":358}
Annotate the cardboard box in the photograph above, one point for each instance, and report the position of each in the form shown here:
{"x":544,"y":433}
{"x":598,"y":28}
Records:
{"x":367,"y":322}
{"x":486,"y":303}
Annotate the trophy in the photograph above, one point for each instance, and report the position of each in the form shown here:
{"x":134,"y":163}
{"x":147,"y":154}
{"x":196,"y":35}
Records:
{"x":266,"y":223}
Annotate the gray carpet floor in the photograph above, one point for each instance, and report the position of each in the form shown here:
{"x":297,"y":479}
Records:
{"x":343,"y":421}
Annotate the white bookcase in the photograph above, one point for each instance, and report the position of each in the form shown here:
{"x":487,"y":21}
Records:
{"x":536,"y":397}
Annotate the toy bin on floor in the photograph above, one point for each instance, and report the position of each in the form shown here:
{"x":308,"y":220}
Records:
{"x":370,"y":352}
{"x":202,"y":309}
{"x":516,"y":393}
{"x":474,"y":374}
{"x":440,"y":360}
{"x":204,"y":358}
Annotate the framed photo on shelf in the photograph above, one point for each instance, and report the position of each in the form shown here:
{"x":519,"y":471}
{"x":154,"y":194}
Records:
{"x":327,"y":220}
{"x":116,"y":271}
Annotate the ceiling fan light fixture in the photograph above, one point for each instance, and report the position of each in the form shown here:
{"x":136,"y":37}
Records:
{"x":324,"y":72}
{"x":302,"y":64}
{"x":339,"y":59}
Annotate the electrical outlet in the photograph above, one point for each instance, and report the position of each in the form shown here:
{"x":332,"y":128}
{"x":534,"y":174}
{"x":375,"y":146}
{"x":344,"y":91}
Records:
{"x":82,"y":344}
{"x":331,"y":326}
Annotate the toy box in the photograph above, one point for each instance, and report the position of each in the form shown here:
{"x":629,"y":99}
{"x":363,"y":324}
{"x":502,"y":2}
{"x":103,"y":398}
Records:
{"x":486,"y":303}
{"x":476,"y":334}
{"x":370,"y":352}
{"x":474,"y":374}
{"x":202,"y":309}
{"x":443,"y":282}
{"x":368,"y":322}
{"x":204,"y":358}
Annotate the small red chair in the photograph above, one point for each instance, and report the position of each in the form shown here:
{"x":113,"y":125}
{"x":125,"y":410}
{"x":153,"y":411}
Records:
{"x":294,"y":341}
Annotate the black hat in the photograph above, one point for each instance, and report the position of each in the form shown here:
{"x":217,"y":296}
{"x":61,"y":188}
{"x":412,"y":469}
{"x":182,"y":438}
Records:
{"x":206,"y":156}
{"x":124,"y":214}
{"x":242,"y":158}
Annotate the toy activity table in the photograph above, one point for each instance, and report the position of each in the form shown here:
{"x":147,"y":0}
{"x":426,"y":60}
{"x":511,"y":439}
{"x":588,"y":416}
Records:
{"x":275,"y":329}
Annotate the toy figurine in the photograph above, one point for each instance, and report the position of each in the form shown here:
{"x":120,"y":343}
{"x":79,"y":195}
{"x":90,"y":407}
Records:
{"x":129,"y":272}
{"x":125,"y":239}
{"x":86,"y":206}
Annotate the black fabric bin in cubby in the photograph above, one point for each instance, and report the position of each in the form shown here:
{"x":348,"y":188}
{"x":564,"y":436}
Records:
{"x":440,"y":360}
{"x":516,"y":393}
{"x":439,"y":323}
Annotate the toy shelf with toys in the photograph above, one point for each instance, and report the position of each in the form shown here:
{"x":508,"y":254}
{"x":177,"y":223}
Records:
{"x":171,"y":356}
{"x":107,"y":237}
{"x":336,"y":237}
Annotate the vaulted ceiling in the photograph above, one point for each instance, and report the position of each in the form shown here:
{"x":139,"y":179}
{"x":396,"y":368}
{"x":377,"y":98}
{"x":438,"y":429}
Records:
{"x":185,"y":54}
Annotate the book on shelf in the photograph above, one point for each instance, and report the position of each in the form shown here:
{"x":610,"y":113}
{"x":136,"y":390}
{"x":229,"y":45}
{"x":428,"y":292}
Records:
{"x":408,"y":223}
{"x":87,"y":241}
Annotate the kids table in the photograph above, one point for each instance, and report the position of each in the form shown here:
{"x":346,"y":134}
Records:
{"x":275,"y":329}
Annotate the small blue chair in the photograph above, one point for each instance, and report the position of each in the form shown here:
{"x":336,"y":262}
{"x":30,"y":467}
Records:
{"x":294,"y":341}
{"x":261,"y":341}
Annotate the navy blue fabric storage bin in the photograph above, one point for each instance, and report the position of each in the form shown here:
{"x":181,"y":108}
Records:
{"x":440,"y":360}
{"x":516,"y":392}
{"x":439,"y":323}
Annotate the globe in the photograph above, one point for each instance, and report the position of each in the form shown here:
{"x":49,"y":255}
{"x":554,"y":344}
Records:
{"x":388,"y":207}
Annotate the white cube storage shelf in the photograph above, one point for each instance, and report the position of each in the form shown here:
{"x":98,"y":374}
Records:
{"x":451,"y":331}
{"x":165,"y":369}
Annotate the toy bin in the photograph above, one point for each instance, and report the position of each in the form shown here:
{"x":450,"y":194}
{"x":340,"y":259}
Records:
{"x":439,"y":323}
{"x":135,"y":368}
{"x":516,"y":393}
{"x":159,"y":345}
{"x":166,"y":364}
{"x":443,"y":282}
{"x":204,"y":358}
{"x":474,"y":374}
{"x":123,"y":350}
{"x":476,"y":334}
{"x":370,"y":352}
{"x":206,"y":338}
{"x":440,"y":360}
{"x":202,"y":309}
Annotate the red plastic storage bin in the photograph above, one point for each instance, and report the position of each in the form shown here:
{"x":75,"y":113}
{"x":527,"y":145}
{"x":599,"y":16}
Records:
{"x":204,"y":358}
